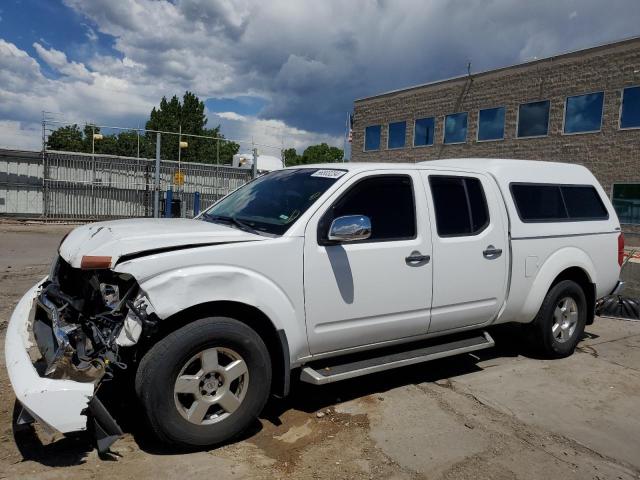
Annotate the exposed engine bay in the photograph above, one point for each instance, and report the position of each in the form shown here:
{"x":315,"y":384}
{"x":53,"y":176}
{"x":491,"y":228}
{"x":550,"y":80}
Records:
{"x":83,"y":320}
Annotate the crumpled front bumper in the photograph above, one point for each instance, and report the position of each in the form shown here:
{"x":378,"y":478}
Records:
{"x":59,"y":404}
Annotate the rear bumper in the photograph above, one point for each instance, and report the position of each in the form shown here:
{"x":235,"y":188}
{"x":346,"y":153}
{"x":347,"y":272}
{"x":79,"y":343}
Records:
{"x":59,"y":404}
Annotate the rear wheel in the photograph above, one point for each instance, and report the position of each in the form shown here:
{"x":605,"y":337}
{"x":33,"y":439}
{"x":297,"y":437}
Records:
{"x":560,"y":323}
{"x":204,"y":383}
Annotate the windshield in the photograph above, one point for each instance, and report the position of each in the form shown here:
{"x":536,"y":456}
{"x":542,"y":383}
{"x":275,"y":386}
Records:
{"x":271,"y":203}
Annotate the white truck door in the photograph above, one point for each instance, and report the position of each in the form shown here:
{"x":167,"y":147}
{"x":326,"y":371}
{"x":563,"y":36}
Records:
{"x":375,"y":290}
{"x":470,"y":249}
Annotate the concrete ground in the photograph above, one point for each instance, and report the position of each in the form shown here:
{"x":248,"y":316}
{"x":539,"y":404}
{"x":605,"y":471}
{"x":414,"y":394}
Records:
{"x":500,"y":414}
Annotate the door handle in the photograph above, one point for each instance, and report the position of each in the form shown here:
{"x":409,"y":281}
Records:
{"x":492,"y":252}
{"x":416,"y":258}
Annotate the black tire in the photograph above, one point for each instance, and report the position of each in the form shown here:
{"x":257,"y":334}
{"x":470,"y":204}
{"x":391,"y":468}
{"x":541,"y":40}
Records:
{"x":543,"y":334}
{"x":161,"y":365}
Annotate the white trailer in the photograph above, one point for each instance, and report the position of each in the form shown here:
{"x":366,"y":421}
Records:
{"x":266,"y":163}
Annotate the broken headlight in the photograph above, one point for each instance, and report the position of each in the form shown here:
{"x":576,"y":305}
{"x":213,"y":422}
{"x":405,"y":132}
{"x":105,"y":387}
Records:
{"x":110,"y":295}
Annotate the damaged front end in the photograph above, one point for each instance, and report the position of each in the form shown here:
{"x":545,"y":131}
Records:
{"x":83,"y":320}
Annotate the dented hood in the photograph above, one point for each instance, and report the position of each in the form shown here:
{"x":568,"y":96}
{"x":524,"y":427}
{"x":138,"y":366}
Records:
{"x":118,"y":238}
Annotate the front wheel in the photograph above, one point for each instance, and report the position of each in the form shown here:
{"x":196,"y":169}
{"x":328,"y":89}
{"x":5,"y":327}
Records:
{"x":204,"y":383}
{"x":560,"y":323}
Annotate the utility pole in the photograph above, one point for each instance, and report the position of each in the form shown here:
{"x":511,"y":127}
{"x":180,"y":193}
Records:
{"x":156,"y":189}
{"x":93,"y":169}
{"x":254,"y":167}
{"x":179,"y":146}
{"x":45,"y":173}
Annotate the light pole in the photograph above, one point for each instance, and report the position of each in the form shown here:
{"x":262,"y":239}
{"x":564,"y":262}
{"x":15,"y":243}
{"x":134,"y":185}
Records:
{"x":94,"y":136}
{"x":179,"y":178}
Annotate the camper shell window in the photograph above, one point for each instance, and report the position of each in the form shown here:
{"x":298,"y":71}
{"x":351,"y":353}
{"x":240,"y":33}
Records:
{"x":538,"y":202}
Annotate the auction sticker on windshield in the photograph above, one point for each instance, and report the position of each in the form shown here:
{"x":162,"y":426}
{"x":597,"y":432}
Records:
{"x":329,"y":173}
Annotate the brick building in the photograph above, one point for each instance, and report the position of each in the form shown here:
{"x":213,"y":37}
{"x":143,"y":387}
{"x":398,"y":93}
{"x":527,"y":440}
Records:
{"x":580,"y":107}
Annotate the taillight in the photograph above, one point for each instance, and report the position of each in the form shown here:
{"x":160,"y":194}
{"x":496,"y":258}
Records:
{"x":620,"y":249}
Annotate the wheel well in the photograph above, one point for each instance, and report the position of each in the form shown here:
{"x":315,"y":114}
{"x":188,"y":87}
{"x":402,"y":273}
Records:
{"x":581,"y":277}
{"x":275,"y":340}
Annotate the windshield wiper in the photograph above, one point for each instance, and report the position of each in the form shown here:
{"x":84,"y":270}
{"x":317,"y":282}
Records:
{"x":233,"y":221}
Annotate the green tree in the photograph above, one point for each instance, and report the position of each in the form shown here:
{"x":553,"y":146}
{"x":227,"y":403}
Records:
{"x":291,"y":157}
{"x":321,"y":153}
{"x":67,"y":138}
{"x":170,"y":116}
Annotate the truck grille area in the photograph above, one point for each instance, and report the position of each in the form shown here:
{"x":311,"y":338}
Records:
{"x":76,"y":325}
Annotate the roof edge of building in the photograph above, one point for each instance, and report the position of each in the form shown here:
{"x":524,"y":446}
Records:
{"x":569,"y":53}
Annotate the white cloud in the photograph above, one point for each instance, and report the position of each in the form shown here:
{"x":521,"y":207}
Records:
{"x":233,"y":116}
{"x":308,"y":60}
{"x":25,"y":91}
{"x":19,"y":135}
{"x":269,"y":136}
{"x":90,"y":33}
{"x":58,"y":61}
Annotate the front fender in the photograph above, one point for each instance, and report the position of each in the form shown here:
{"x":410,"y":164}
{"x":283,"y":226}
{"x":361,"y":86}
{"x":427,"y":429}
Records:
{"x":176,"y":290}
{"x":553,"y":266}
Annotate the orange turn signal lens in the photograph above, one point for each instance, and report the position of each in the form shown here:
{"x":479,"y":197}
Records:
{"x":92,"y":262}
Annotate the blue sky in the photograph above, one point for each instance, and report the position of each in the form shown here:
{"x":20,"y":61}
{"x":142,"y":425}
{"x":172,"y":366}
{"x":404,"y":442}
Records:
{"x":52,"y":24}
{"x":277,"y":72}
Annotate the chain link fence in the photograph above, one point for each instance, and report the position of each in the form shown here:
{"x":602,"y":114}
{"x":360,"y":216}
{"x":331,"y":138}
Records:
{"x":81,"y":187}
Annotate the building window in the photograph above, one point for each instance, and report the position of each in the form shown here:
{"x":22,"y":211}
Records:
{"x":626,"y":201}
{"x":491,"y":124}
{"x":372,"y":137}
{"x":557,"y":203}
{"x":423,"y":132}
{"x":583,"y":113}
{"x":533,"y":119}
{"x":630,"y":111}
{"x":460,"y":205}
{"x":397,"y":133}
{"x":455,"y":128}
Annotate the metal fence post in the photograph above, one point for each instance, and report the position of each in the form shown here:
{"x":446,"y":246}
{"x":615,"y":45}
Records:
{"x":93,"y":171}
{"x":156,"y":190}
{"x":254,"y":168}
{"x":45,"y":173}
{"x":196,"y":204}
{"x":168,"y":203}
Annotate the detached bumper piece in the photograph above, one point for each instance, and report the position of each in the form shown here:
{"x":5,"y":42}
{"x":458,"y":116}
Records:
{"x":66,"y":404}
{"x":57,"y":403}
{"x":103,"y":426}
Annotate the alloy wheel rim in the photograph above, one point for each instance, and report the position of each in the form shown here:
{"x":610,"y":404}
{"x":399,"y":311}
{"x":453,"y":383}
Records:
{"x":211,"y":386}
{"x":565,"y":319}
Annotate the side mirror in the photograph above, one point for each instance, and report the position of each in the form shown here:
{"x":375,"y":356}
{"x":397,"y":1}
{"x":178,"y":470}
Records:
{"x":350,"y":228}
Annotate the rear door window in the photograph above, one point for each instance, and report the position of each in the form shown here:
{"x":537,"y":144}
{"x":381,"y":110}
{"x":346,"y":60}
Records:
{"x":557,"y":203}
{"x":460,"y":205}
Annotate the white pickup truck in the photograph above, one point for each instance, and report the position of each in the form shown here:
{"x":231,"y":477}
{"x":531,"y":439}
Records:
{"x":322,"y":272}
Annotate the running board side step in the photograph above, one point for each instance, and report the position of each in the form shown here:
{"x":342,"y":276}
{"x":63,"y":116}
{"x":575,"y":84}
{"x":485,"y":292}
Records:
{"x":356,"y":366}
